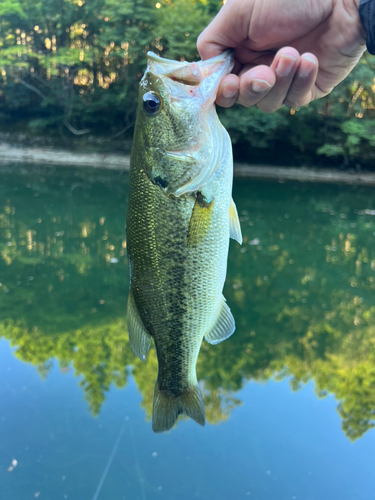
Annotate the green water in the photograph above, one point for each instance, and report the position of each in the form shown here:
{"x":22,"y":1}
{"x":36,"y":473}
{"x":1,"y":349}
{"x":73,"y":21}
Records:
{"x":289,"y":398}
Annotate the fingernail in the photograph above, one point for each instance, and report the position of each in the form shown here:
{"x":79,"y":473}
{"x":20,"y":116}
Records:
{"x":260,"y":86}
{"x":306,"y":69}
{"x":229,"y":90}
{"x":285,"y":65}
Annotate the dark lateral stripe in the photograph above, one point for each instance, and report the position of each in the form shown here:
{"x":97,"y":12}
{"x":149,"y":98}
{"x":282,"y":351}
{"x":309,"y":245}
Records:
{"x":173,"y":380}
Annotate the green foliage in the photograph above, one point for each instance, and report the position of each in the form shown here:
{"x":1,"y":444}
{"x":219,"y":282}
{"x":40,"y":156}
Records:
{"x":256,"y":136}
{"x":11,"y":8}
{"x":338,"y":128}
{"x":331,"y":150}
{"x":359,"y":136}
{"x":178,"y":26}
{"x":81,"y":61}
{"x":253,"y":126}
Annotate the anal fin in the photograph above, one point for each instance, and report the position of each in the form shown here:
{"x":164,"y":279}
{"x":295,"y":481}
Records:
{"x":234,"y":223}
{"x":224,"y":325}
{"x":139,"y":339}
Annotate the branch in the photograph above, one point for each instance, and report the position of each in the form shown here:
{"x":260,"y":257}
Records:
{"x":129,"y":119}
{"x":31,"y":87}
{"x":67,"y":115}
{"x":123,"y":130}
{"x":74,"y":130}
{"x":43,"y":82}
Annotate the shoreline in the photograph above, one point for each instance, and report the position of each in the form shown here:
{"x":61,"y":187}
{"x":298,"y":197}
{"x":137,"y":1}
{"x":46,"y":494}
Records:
{"x":63,"y":158}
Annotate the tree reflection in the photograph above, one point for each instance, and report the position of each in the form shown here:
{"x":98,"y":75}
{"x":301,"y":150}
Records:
{"x":301,"y":289}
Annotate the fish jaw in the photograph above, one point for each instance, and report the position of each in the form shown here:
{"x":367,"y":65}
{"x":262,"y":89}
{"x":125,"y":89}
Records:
{"x":213,"y":71}
{"x":195,"y":80}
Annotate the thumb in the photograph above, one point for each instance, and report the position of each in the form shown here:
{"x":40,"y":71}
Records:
{"x":227,"y":30}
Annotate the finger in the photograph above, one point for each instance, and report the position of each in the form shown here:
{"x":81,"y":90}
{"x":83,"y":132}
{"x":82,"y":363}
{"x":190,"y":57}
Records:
{"x":300,"y":92}
{"x":255,"y":85}
{"x":227,"y":30}
{"x":285,"y":65}
{"x":246,"y":55}
{"x":228,"y":91}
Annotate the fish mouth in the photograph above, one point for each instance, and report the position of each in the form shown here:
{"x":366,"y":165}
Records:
{"x":197,"y":80}
{"x":204,"y":76}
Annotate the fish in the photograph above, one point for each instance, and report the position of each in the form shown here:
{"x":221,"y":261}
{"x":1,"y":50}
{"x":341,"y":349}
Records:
{"x":180,"y":217}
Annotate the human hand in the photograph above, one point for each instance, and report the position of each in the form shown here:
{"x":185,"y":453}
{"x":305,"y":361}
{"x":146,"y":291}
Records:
{"x":287,"y":52}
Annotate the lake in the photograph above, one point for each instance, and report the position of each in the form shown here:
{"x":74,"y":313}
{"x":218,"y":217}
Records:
{"x":289,"y":398}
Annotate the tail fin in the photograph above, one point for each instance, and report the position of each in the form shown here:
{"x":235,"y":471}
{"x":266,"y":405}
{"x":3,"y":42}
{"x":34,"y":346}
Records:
{"x":167,"y":408}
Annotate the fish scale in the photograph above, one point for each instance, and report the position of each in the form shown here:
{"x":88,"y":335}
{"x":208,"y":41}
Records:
{"x":178,"y":244}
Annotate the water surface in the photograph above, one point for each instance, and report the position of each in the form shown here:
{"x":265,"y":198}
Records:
{"x":290,"y":397}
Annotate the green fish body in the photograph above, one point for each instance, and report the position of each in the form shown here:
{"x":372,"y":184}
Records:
{"x":180,"y":218}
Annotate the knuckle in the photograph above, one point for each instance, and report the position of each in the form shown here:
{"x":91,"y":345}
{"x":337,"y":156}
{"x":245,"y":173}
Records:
{"x":290,"y":103}
{"x":248,"y":99}
{"x":267,"y":109}
{"x":201,"y":42}
{"x":225,"y":103}
{"x":245,"y":102}
{"x":273,"y":100}
{"x":297,"y":103}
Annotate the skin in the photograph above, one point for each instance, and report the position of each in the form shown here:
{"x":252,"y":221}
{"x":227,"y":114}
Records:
{"x":287,"y":51}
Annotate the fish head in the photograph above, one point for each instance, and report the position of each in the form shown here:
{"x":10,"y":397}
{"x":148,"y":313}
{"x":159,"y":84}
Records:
{"x":176,"y":100}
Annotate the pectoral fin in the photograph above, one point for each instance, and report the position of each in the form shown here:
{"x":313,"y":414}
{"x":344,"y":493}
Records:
{"x":139,"y":339}
{"x":224,"y":325}
{"x":234,"y":223}
{"x":200,"y":220}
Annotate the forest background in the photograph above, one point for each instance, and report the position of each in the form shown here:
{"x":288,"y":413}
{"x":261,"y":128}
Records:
{"x":69,"y":73}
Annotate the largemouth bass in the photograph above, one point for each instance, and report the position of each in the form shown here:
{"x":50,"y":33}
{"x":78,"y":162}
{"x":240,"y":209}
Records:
{"x":179,"y":221}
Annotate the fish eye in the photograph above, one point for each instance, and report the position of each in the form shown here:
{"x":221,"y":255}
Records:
{"x":151,"y":103}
